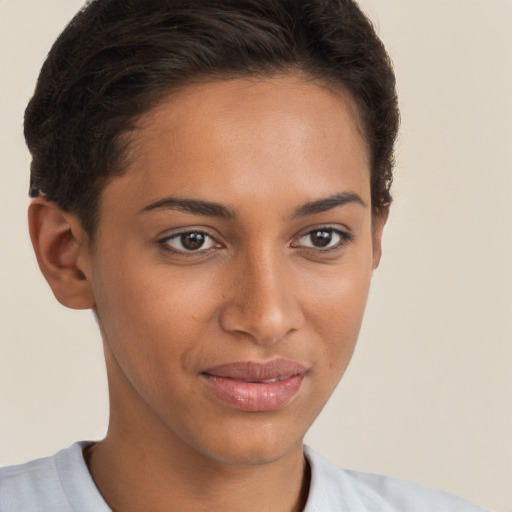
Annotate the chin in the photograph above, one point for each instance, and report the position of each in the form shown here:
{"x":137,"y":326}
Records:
{"x":253,"y":447}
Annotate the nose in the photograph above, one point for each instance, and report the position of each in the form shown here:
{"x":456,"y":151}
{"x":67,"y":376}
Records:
{"x":262,"y":301}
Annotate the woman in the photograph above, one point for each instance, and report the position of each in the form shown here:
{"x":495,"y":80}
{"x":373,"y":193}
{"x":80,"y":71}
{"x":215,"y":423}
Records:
{"x":212,"y":179}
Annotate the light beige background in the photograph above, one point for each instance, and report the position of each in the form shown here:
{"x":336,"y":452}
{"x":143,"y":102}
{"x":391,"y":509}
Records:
{"x":428,"y":394}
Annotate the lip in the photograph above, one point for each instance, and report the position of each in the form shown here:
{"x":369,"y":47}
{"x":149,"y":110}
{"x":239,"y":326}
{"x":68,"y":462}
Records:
{"x":256,"y":386}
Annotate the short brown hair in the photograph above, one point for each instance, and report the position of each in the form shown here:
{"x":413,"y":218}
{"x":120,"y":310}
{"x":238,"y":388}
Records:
{"x":116,"y":58}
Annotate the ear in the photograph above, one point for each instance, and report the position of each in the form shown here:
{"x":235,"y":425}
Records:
{"x":379,"y":220}
{"x":62,"y":252}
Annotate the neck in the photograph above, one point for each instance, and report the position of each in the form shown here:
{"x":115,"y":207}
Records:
{"x":134,"y":475}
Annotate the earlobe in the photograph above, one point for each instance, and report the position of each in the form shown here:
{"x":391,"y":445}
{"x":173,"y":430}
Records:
{"x":60,"y":246}
{"x":379,"y":220}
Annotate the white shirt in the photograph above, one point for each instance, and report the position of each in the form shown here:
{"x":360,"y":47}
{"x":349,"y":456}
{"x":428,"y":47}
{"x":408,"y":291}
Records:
{"x":62,"y":483}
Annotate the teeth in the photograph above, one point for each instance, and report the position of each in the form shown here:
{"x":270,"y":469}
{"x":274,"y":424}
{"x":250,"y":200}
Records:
{"x":275,"y":379}
{"x":268,"y":381}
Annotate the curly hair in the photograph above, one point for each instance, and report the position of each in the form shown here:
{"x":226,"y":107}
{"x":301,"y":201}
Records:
{"x":118,"y":58}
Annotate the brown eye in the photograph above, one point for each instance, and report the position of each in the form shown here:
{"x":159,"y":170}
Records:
{"x":190,"y":241}
{"x":321,"y":238}
{"x":324,"y":238}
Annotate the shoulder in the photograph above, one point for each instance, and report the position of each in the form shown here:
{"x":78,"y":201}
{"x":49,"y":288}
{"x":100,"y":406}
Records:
{"x":334,"y":489}
{"x":60,"y":483}
{"x":31,"y":486}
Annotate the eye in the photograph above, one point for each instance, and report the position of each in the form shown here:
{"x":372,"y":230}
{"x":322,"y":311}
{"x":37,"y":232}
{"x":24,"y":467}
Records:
{"x":323,"y":239}
{"x":189,"y":241}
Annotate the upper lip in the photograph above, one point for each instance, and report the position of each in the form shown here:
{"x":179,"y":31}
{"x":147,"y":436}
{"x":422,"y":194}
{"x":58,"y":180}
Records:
{"x":251,"y":371}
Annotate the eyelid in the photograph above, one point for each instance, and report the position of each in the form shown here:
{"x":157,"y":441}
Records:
{"x":345,"y":237}
{"x":163,"y":241}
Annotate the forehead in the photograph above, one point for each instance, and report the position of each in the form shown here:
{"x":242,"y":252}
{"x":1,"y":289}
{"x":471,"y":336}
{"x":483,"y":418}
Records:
{"x":254,"y":138}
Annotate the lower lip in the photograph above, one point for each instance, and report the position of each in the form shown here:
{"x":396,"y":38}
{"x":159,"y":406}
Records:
{"x":254,"y":396}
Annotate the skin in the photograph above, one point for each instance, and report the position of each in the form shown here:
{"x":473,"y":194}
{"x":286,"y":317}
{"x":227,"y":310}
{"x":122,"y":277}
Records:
{"x":258,"y":289}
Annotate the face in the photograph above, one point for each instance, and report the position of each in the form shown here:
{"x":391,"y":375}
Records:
{"x":232,"y":264}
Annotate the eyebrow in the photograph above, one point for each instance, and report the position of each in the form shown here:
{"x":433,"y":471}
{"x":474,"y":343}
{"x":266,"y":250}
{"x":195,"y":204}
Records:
{"x":328,"y":203}
{"x":194,"y":206}
{"x":210,"y":209}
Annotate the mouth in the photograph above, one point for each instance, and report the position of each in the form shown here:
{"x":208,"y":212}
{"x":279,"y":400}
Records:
{"x":256,"y":386}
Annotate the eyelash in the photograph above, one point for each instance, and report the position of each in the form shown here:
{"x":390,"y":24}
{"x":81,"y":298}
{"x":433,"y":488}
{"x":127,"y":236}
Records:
{"x":165,"y":242}
{"x":343,"y":239}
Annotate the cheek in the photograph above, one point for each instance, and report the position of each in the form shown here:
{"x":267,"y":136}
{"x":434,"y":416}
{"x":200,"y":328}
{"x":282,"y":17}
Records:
{"x":150,"y":313}
{"x":339,"y":293}
{"x":335,"y":314}
{"x":337,"y":309}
